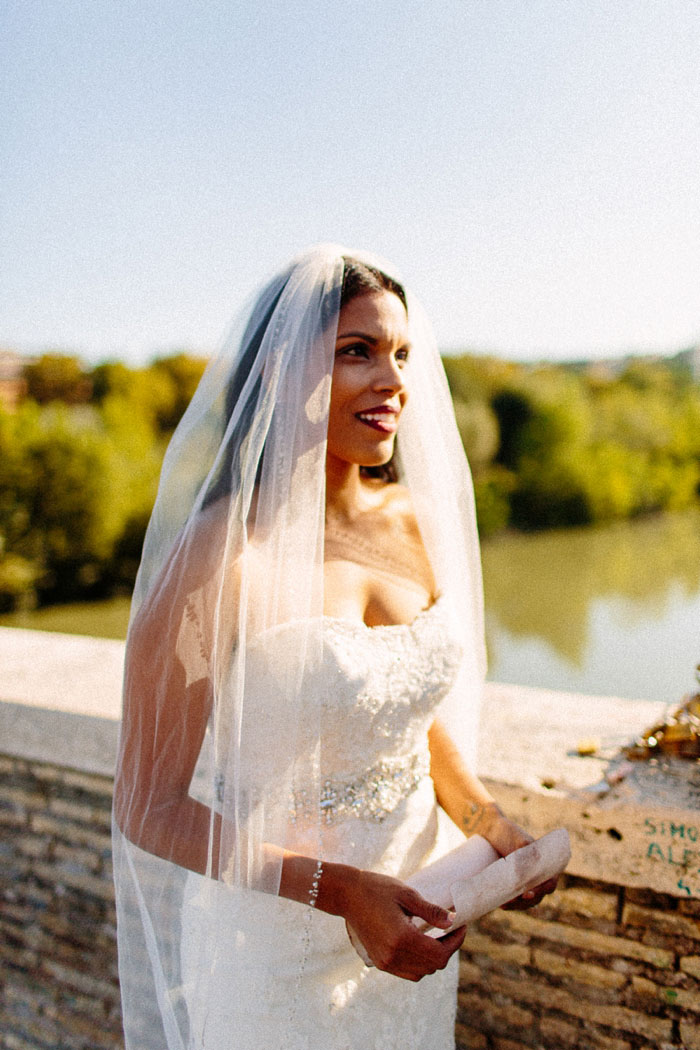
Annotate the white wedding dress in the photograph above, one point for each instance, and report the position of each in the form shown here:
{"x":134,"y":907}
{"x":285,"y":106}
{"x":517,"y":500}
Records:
{"x":380,"y":688}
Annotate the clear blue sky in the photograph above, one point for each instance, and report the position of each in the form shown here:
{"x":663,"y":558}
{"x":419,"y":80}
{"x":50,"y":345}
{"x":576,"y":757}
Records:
{"x":531,"y":166}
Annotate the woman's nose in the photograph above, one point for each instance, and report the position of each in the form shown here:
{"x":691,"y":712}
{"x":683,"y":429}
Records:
{"x":389,"y":376}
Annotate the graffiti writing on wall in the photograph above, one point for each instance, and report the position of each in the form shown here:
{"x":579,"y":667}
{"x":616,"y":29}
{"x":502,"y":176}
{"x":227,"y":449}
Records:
{"x":676,"y":844}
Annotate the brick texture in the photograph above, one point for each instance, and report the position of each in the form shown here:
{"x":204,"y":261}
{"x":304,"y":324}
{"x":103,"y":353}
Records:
{"x":58,"y":967}
{"x":593,"y":967}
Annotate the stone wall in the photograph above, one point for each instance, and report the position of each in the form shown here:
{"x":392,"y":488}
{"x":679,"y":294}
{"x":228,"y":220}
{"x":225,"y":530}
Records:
{"x":58,"y":984}
{"x":595,"y":967}
{"x":610,"y":962}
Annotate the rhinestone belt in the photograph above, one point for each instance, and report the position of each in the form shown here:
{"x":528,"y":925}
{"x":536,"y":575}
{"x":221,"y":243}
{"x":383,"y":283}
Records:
{"x":373,"y":796}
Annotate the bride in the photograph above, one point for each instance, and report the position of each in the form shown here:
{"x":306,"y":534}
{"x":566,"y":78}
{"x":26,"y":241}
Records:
{"x":303,"y":674}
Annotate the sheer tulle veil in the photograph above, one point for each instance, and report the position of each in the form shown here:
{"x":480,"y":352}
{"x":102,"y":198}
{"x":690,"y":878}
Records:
{"x":234,"y":552}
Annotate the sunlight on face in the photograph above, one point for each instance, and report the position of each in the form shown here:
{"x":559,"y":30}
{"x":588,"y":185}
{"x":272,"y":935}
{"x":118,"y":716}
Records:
{"x":368,"y":391}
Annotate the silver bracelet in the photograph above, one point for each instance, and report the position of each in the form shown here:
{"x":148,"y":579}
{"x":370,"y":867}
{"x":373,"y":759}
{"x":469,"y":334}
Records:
{"x":315,"y":883}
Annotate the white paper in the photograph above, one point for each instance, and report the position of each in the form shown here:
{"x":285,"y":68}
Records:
{"x":473,"y":880}
{"x":435,"y":881}
{"x":508,"y":877}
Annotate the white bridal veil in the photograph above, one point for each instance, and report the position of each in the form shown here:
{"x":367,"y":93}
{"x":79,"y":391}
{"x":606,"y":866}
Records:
{"x":219,"y":759}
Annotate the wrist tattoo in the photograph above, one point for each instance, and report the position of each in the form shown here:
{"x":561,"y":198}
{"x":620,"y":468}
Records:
{"x":473,"y":817}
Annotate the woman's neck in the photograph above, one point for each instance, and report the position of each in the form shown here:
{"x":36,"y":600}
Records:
{"x":346,"y":496}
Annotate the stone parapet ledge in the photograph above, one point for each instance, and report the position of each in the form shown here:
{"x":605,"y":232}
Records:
{"x":632,"y":824}
{"x":60,"y":698}
{"x":635,"y":824}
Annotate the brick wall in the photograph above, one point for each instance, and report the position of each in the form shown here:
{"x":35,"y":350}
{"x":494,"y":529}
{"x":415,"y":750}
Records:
{"x":595,"y":967}
{"x":58,"y":969}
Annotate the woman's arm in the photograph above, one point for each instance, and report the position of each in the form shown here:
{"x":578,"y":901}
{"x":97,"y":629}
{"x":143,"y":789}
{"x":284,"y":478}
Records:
{"x":470,"y":806}
{"x":378,"y":908}
{"x":159,"y":747}
{"x":168,"y":700}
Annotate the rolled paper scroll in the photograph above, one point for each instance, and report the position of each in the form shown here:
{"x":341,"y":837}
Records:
{"x":507,"y":878}
{"x":472,"y":879}
{"x":435,"y":881}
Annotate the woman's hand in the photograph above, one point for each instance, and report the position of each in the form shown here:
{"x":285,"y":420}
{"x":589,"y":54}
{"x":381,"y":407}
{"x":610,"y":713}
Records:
{"x":505,"y":836}
{"x":378,"y":910}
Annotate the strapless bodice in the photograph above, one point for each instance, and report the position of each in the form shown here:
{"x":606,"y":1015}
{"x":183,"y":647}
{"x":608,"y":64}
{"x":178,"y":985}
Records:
{"x":370,"y":700}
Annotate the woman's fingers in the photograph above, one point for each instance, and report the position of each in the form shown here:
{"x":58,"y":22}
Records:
{"x":381,"y":918}
{"x":453,"y":940}
{"x":416,"y":955}
{"x":506,"y":836}
{"x":412,"y":902}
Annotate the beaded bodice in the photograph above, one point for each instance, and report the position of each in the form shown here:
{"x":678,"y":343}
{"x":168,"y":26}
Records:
{"x":375,"y":692}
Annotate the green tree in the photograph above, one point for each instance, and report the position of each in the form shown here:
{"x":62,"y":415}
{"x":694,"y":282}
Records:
{"x":150,"y":392}
{"x":476,"y":377}
{"x":57,"y":377}
{"x":138,"y":456}
{"x":72,"y":485}
{"x":478,"y":428}
{"x":184,"y":372}
{"x":160,"y":392}
{"x":493,"y":492}
{"x":514,"y":410}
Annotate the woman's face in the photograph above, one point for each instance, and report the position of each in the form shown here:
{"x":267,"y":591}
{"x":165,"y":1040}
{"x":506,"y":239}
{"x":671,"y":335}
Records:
{"x":368,"y":392}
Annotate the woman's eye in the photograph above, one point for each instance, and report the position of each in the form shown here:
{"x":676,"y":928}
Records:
{"x":402,"y":356}
{"x":355,"y":350}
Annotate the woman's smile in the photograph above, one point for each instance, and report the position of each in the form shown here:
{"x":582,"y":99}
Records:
{"x":384,"y":418}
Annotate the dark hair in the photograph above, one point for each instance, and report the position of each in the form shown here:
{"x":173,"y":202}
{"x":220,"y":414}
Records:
{"x":362,"y":279}
{"x":358,"y":279}
{"x":251,"y":342}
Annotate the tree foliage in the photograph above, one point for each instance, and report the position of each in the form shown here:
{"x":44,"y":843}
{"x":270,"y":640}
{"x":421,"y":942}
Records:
{"x":79,"y":465}
{"x":548,"y":446}
{"x":577,"y":446}
{"x":57,"y":377}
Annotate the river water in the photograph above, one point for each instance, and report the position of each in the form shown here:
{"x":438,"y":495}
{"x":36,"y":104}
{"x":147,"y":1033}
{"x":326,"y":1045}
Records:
{"x":612,"y":611}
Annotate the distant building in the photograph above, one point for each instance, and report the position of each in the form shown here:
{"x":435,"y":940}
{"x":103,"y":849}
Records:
{"x":13,"y":385}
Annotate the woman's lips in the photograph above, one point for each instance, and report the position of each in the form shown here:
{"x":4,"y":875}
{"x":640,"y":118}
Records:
{"x":383,"y":420}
